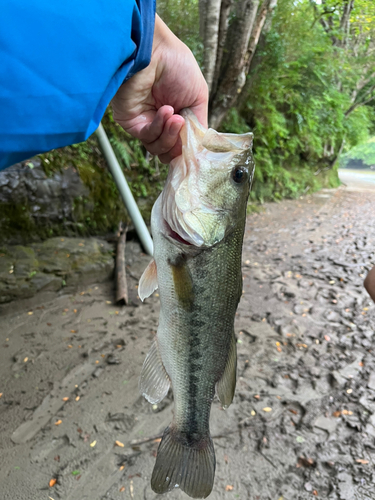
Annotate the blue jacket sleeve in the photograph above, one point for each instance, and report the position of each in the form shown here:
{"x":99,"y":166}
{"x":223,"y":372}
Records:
{"x":60,"y":65}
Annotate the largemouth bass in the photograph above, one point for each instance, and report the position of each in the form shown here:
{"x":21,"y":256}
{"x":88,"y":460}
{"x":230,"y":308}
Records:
{"x":197,"y":224}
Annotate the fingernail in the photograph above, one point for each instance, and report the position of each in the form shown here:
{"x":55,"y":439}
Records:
{"x":175,"y":128}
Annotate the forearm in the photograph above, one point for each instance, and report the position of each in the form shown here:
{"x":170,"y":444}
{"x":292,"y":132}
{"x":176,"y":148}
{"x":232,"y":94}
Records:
{"x":56,"y":85}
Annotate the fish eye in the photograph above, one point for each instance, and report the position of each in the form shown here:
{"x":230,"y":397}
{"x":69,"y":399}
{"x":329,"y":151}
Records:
{"x":239,"y":174}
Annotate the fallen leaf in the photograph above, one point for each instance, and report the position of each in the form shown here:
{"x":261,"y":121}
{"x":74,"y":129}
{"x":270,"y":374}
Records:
{"x":362,"y":461}
{"x":267,"y":409}
{"x":122,"y":467}
{"x":315,"y":493}
{"x":1,"y":394}
{"x":70,"y":346}
{"x":305,"y":462}
{"x":52,"y":482}
{"x":347,"y":412}
{"x":58,"y":422}
{"x":65,"y":399}
{"x":336,"y":414}
{"x":75,"y":310}
{"x":73,"y":331}
{"x":122,"y":489}
{"x":118,"y":443}
{"x":256,"y":396}
{"x":229,"y":487}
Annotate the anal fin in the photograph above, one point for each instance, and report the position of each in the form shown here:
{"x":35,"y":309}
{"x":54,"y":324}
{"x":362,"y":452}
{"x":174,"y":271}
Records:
{"x":154,"y":382}
{"x":226,"y":386}
{"x":148,"y":282}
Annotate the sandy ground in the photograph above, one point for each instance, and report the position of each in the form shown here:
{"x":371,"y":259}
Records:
{"x":302,"y":424}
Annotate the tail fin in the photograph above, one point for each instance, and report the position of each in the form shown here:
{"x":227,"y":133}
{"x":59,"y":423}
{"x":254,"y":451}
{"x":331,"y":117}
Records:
{"x":191,"y":468}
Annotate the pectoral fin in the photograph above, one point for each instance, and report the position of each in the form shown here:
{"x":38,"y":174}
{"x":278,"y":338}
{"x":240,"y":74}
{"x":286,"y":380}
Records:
{"x":149,"y":281}
{"x":227,"y":384}
{"x":154,"y":382}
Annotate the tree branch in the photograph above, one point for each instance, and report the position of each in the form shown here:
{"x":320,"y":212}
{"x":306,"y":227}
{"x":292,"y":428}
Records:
{"x":360,"y":103}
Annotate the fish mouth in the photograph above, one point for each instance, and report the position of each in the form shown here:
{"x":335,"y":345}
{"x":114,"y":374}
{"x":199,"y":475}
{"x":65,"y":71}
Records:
{"x":175,"y":236}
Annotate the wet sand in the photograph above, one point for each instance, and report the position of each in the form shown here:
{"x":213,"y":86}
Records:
{"x":302,"y":424}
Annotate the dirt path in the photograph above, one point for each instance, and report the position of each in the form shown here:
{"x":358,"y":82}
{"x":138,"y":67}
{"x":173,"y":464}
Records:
{"x":302,"y":424}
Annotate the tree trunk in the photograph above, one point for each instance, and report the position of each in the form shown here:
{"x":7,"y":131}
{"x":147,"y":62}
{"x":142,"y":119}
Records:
{"x":210,"y":32}
{"x":258,"y":40}
{"x":223,"y":29}
{"x":229,"y":48}
{"x":232,"y":66}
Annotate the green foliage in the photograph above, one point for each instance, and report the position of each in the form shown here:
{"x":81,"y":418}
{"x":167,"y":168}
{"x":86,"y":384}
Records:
{"x":297,"y":106}
{"x":182,"y":17}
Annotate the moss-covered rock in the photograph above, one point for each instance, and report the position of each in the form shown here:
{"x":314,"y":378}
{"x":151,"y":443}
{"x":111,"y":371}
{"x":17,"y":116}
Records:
{"x":70,"y":192}
{"x":52,"y":265}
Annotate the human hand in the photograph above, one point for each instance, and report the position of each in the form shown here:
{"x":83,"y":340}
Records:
{"x":147,"y":105}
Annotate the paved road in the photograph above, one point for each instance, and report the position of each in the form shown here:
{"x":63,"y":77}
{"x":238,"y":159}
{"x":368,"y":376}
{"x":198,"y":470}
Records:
{"x":358,"y":180}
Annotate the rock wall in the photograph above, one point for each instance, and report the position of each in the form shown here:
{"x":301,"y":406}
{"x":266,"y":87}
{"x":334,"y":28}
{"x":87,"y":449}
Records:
{"x":31,"y":203}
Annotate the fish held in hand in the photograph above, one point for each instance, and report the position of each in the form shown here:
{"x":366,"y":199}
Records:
{"x":197,"y":223}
